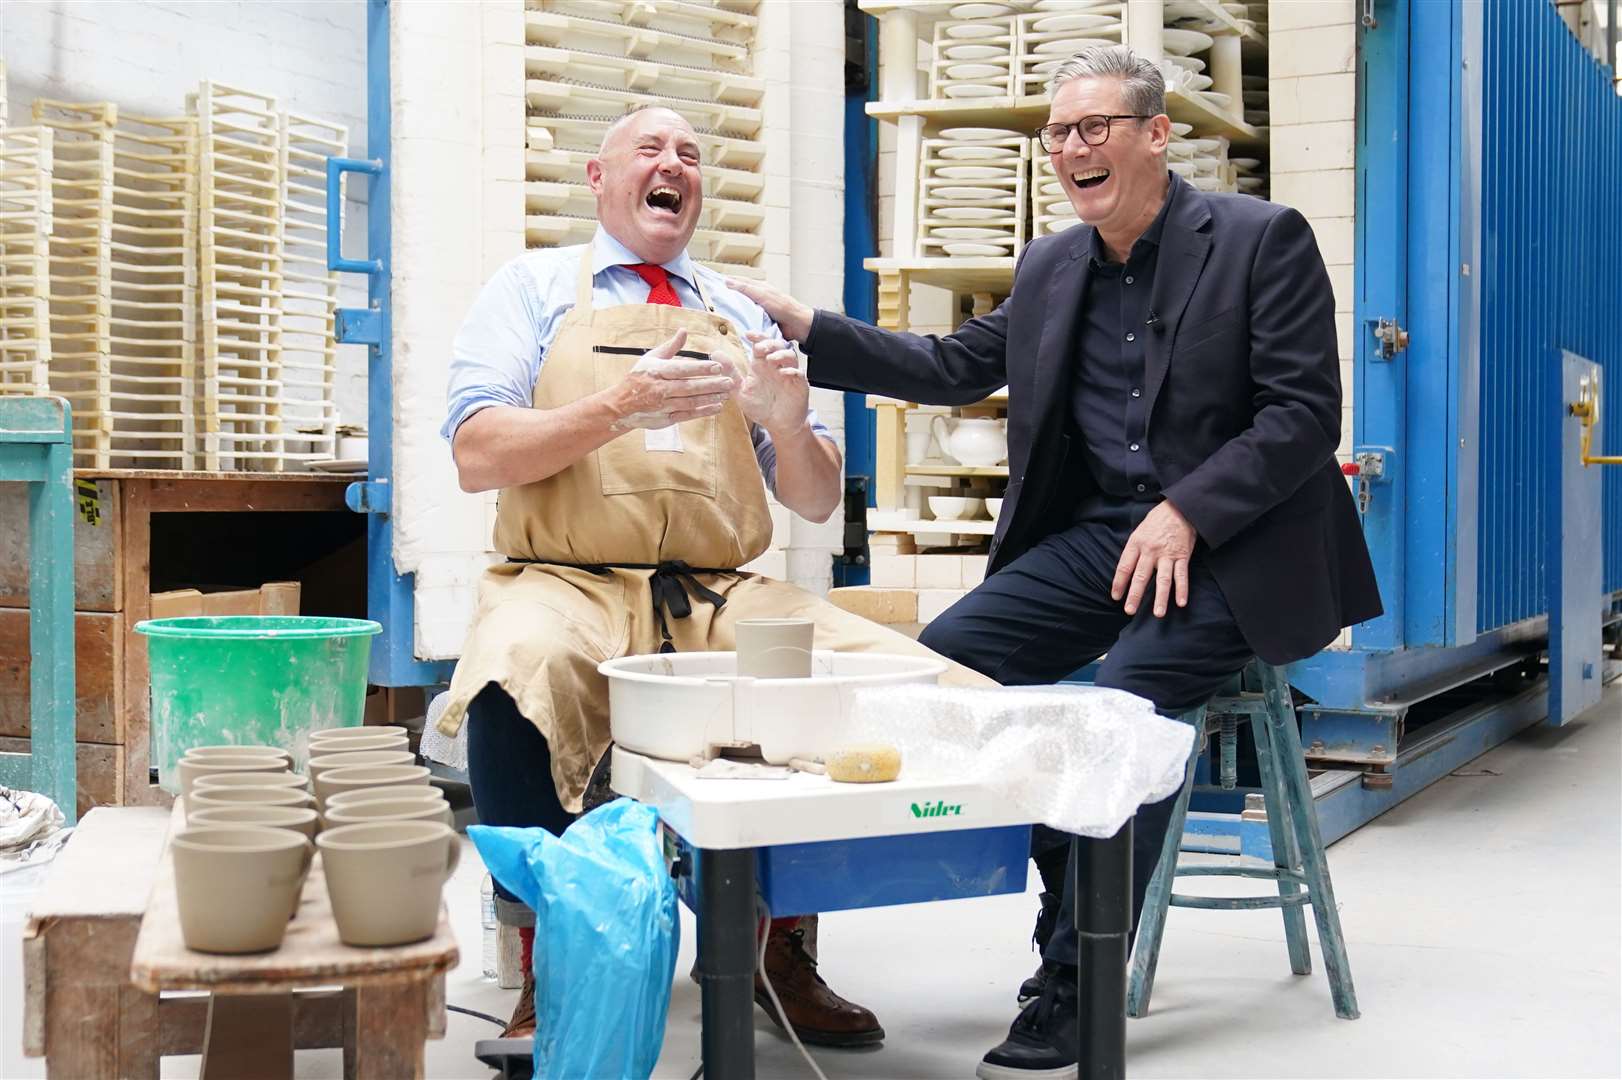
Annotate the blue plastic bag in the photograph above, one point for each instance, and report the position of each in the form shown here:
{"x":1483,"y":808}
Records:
{"x":606,"y":934}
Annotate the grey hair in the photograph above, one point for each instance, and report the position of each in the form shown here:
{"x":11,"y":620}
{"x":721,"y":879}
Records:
{"x":1143,"y":87}
{"x":621,"y":121}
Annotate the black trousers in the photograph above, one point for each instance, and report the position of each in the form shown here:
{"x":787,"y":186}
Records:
{"x":510,"y":769}
{"x":1049,"y":612}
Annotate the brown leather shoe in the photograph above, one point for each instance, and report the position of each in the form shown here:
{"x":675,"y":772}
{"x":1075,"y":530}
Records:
{"x":820,"y":1016}
{"x":522,"y":1024}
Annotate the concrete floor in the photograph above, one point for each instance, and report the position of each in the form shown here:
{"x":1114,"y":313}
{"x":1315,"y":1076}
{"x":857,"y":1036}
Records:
{"x":1482,"y":922}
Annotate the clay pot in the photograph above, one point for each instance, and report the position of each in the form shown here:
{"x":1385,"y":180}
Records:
{"x":353,"y":778}
{"x":358,"y":743}
{"x":237,"y":887}
{"x":215,"y":781}
{"x":356,"y":732}
{"x":775,"y":648}
{"x":346,"y":759}
{"x":384,"y":879}
{"x":389,"y":810}
{"x":417,"y":792}
{"x":246,"y":796}
{"x":201,"y":753}
{"x":299,"y":819}
{"x":191,"y":768}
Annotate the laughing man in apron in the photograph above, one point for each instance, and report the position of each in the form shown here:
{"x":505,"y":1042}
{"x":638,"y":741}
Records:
{"x":633,"y":411}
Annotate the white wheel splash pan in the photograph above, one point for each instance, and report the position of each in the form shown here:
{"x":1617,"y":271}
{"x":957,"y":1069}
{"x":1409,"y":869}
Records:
{"x":678,"y":706}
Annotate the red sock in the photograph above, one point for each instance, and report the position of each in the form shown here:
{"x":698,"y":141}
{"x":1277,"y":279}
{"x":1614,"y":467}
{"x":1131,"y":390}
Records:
{"x":526,"y":942}
{"x":783,"y":925}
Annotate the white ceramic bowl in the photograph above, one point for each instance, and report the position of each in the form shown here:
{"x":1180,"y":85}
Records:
{"x":954,"y":507}
{"x":994,"y":508}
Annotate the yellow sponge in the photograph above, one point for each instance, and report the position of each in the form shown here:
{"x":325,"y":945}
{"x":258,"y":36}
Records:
{"x":870,"y":764}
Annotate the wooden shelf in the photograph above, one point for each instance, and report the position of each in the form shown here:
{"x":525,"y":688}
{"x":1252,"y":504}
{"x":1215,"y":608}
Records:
{"x":957,"y":470}
{"x":1025,"y":114}
{"x":890,"y":522}
{"x":960,"y":273}
{"x":996,"y":397}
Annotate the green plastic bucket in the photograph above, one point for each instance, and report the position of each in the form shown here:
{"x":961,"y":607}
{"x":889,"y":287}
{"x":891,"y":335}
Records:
{"x":266,"y":680}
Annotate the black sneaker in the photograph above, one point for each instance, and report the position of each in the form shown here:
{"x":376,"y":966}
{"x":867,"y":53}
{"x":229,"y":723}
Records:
{"x":1045,"y":1042}
{"x":1046,"y":919}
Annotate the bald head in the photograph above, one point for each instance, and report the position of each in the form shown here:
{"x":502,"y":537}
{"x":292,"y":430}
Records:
{"x":647,"y":182}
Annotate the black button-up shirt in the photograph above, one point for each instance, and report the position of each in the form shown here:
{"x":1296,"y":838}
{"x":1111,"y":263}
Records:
{"x":1107,"y":398}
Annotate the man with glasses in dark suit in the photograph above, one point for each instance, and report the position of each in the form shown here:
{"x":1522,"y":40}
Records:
{"x":1173,"y":503}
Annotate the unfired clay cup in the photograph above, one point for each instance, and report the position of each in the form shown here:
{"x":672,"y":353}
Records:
{"x":384,"y":879}
{"x":775,"y":648}
{"x":237,"y":887}
{"x":417,"y":792}
{"x":320,"y":764}
{"x":354,"y":730}
{"x":190,"y":769}
{"x":358,"y":744}
{"x":199,"y":753}
{"x":388,"y":810}
{"x":250,"y":779}
{"x":247,"y":796}
{"x":353,"y":778}
{"x":299,"y":819}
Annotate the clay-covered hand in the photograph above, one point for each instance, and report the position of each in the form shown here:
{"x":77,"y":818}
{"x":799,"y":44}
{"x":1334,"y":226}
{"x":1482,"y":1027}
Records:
{"x":775,"y":393}
{"x":791,"y":316}
{"x":663,"y":389}
{"x":1160,"y":548}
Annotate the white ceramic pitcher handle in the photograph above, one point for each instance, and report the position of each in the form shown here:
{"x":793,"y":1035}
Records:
{"x":941,"y":433}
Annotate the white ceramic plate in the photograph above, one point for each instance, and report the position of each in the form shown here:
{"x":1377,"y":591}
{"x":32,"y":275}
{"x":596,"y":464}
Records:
{"x":1047,"y":67}
{"x":970,"y":247}
{"x":1200,"y":82}
{"x":1180,"y":129}
{"x":972,"y":194}
{"x":1054,"y":24}
{"x":1245,"y":164}
{"x":1184,"y":42}
{"x":1216,"y":97}
{"x":977,"y":11}
{"x":975,"y":90}
{"x":972,"y":232}
{"x":1250,"y":183}
{"x":969,"y":134}
{"x":1237,"y":8}
{"x":341,"y":465}
{"x":1062,"y":224}
{"x":1058,"y":206}
{"x":1181,"y":168}
{"x":1178,"y":150}
{"x":976,"y":71}
{"x":1205,"y":146}
{"x":1055,"y":187}
{"x":976,"y":52}
{"x":974,"y":31}
{"x":1184,"y":9}
{"x":1067,"y":46}
{"x":968,"y":213}
{"x":1206,"y":183}
{"x":1191,"y":64}
{"x":976,"y":153}
{"x":1101,"y":7}
{"x":1256,"y":117}
{"x":974,"y":172}
{"x":1206,"y":164}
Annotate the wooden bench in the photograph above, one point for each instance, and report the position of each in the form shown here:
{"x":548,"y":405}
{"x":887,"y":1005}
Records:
{"x":102,"y":953}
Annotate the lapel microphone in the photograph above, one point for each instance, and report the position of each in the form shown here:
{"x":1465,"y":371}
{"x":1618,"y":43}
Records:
{"x":1153,"y":321}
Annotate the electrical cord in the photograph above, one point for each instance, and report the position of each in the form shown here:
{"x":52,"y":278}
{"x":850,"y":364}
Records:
{"x":760,"y":961}
{"x":474,"y":1012}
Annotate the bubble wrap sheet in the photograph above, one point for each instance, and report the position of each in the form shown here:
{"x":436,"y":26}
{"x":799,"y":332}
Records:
{"x":1079,"y":759}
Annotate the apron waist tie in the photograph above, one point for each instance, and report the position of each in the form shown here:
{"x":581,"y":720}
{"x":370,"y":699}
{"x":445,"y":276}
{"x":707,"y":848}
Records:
{"x":669,"y":585}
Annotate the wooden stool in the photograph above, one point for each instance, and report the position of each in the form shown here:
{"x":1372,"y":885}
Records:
{"x":1292,"y":823}
{"x":36,"y":447}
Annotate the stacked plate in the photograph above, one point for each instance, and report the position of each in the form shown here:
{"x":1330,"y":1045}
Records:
{"x":974,"y":53}
{"x":1256,"y":100}
{"x":1051,"y":211}
{"x":1250,"y":176}
{"x":1046,"y":39}
{"x":972,"y":193}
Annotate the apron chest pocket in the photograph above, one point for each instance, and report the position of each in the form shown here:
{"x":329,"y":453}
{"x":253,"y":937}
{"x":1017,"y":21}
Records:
{"x":681,"y":458}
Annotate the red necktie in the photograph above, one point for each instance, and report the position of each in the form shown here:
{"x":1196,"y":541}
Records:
{"x":660,"y":291}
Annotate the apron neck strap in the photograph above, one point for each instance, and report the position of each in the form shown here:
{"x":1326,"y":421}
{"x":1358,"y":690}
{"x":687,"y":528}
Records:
{"x":582,"y":298}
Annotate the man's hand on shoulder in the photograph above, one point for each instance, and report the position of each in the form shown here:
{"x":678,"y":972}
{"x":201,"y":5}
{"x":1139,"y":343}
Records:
{"x":1159,"y":547}
{"x":775,"y":393}
{"x":791,"y":316}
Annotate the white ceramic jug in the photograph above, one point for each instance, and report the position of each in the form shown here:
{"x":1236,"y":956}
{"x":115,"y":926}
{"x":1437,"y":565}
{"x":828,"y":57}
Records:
{"x":975,"y":442}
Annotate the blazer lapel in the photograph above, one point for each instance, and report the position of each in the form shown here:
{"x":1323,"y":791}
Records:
{"x":1055,"y":349}
{"x":1185,"y":242}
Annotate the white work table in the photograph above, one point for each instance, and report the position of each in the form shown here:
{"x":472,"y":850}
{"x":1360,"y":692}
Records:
{"x":831,"y":845}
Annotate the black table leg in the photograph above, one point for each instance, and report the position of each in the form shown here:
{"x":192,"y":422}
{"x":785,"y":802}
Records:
{"x":1103,"y":924}
{"x":726,"y":962}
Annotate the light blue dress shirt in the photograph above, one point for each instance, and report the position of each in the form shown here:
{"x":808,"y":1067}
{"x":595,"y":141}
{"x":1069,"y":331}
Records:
{"x":499,"y":350}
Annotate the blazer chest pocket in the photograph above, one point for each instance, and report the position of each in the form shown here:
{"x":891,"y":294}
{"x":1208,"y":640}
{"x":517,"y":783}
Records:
{"x":1223,"y":324}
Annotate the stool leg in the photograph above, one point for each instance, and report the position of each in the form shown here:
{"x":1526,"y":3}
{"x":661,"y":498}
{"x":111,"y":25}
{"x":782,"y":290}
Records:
{"x":1152,"y":922}
{"x":1286,"y":853}
{"x":1304,"y":820}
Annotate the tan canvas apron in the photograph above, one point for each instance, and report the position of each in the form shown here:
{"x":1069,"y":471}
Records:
{"x":541,"y":629}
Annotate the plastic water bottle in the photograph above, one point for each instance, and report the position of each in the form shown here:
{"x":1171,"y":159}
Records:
{"x":487,"y":915}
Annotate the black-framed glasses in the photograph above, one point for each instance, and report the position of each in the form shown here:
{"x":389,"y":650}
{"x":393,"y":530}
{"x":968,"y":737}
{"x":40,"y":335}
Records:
{"x":1094,"y":130}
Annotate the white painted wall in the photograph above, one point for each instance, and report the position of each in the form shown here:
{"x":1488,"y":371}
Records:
{"x":146,"y":56}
